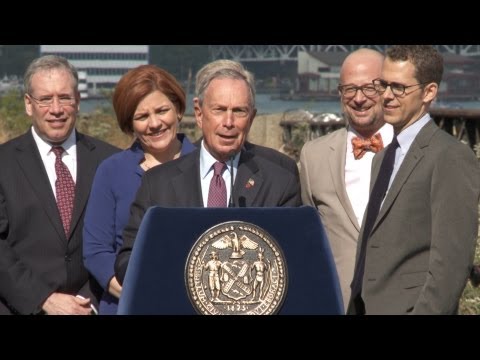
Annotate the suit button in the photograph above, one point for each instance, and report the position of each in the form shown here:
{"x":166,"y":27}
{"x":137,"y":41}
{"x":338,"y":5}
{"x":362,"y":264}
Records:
{"x":67,"y":258}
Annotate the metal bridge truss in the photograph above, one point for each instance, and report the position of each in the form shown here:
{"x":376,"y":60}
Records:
{"x":289,"y":52}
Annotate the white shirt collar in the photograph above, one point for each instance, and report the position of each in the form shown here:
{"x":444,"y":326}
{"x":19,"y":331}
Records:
{"x":207,"y":161}
{"x":406,"y":137}
{"x":45,"y":147}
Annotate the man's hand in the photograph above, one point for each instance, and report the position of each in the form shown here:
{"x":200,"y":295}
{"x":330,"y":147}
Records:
{"x":114,"y":287}
{"x":64,"y":304}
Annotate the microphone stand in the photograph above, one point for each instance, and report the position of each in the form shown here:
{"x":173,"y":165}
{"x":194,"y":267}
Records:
{"x":230,"y":202}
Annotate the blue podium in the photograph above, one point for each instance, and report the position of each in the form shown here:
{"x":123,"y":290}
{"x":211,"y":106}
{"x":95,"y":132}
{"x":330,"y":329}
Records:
{"x":155,"y":281}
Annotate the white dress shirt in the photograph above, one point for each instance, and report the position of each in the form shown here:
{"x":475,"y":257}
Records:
{"x":69,"y":157}
{"x":405,"y":140}
{"x":358,"y":172}
{"x":206,"y":172}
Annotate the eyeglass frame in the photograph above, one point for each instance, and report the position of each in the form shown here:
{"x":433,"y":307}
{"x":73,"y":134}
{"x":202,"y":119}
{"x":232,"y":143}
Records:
{"x":389,"y":84}
{"x":340,"y":88}
{"x":73,"y":100}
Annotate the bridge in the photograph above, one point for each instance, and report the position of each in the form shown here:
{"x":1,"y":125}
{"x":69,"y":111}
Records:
{"x":262,"y":53}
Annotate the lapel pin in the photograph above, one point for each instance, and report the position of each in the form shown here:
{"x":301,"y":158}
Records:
{"x":250,"y":183}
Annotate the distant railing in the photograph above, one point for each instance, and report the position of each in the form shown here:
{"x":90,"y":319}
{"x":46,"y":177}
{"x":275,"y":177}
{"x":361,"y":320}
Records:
{"x":464,"y":124}
{"x":304,"y":125}
{"x":300,"y":126}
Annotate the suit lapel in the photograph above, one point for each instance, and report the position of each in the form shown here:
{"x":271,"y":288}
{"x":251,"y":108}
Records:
{"x":412,"y":159}
{"x":31,"y":163}
{"x":336,"y":162}
{"x":86,"y":167}
{"x":248,"y":180}
{"x":186,"y":184}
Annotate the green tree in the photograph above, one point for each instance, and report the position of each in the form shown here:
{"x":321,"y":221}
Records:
{"x":12,"y":113}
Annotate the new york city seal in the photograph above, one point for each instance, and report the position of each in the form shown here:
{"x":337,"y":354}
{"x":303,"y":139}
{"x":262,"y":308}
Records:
{"x":236,"y":268}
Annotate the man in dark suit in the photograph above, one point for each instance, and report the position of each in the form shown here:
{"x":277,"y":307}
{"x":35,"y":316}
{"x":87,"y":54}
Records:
{"x":273,"y":155}
{"x":419,"y":240}
{"x":224,"y":110}
{"x":41,"y":265}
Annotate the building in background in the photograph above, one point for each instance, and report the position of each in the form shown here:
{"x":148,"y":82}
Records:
{"x":82,"y":84}
{"x":318,"y":76}
{"x":103,"y":65}
{"x":461,"y":78}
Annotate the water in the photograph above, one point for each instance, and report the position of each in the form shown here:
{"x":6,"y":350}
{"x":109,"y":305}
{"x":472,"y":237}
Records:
{"x":90,"y":105}
{"x":267,"y":106}
{"x":264,"y":105}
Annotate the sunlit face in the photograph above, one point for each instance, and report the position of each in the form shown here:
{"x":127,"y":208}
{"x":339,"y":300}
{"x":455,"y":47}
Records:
{"x":155,"y":123}
{"x":53,"y":123}
{"x":403,"y":110}
{"x":225,"y":116}
{"x":364,"y":113}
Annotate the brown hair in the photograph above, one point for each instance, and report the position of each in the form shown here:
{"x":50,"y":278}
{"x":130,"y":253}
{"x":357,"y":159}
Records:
{"x":427,"y":60}
{"x":139,"y":82}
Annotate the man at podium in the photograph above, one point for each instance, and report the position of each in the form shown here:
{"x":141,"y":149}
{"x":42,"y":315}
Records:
{"x":222,"y":172}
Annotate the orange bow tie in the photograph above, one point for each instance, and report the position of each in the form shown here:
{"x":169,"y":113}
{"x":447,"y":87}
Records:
{"x":361,"y":146}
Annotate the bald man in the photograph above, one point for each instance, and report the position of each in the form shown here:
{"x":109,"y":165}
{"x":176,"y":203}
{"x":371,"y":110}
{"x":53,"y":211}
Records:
{"x":335,"y":168}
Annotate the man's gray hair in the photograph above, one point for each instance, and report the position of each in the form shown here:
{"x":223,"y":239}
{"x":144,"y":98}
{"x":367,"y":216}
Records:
{"x":48,"y":62}
{"x":223,"y":69}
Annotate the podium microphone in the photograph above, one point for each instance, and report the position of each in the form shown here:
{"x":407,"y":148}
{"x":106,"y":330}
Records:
{"x":230,"y":201}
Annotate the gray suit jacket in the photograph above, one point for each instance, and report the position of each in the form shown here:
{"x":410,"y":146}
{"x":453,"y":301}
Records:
{"x":322,"y":177}
{"x":421,"y":248}
{"x":36,"y":257}
{"x":177,"y":184}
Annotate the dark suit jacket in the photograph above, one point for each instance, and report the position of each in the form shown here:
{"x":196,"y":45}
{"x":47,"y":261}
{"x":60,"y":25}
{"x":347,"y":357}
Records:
{"x":421,"y":247}
{"x":36,"y":257}
{"x":177,"y":184}
{"x":272,"y":155}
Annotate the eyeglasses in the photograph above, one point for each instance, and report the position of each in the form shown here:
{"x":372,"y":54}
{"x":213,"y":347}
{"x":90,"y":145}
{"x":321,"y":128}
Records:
{"x":397,"y":89}
{"x":350,"y":91}
{"x":47,"y":101}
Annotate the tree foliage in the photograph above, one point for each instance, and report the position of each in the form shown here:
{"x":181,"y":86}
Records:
{"x":14,"y":121}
